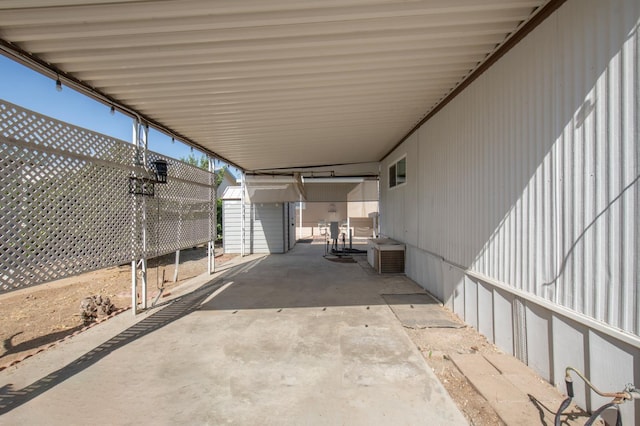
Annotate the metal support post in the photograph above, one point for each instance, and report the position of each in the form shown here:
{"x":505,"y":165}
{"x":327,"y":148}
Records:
{"x":140,"y":136}
{"x":143,"y":141}
{"x":143,"y":290}
{"x":134,"y":231}
{"x":134,"y":282}
{"x":175,"y":272}
{"x":300,"y":227}
{"x":242,"y":214}
{"x":211,"y":265}
{"x":376,"y":224}
{"x":213,"y":220}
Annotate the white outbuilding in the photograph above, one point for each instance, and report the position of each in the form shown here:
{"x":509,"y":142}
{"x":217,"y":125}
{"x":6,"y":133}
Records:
{"x":268,"y":227}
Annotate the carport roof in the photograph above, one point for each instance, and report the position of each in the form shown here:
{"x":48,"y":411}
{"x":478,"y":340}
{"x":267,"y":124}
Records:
{"x":267,"y":84}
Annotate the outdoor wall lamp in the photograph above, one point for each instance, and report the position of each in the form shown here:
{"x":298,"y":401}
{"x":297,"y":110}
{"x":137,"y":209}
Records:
{"x":161,"y":167}
{"x":144,"y":185}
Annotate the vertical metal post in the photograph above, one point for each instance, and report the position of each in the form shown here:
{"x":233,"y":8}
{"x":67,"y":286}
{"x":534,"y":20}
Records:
{"x":300,"y":227}
{"x":134,"y":229}
{"x":242,"y":213}
{"x":376,"y":225}
{"x":140,"y":135}
{"x":143,"y":140}
{"x":143,"y":282}
{"x":175,"y":272}
{"x":211,"y":263}
{"x":213,"y":219}
{"x":134,"y":282}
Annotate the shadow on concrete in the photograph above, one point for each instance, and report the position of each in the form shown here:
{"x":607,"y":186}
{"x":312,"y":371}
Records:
{"x":10,"y":348}
{"x":298,"y":279}
{"x":11,"y":398}
{"x":245,"y":295}
{"x":303,"y":278}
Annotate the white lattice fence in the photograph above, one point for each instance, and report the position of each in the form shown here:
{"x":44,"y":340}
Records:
{"x":179,"y":214}
{"x":65,"y":206}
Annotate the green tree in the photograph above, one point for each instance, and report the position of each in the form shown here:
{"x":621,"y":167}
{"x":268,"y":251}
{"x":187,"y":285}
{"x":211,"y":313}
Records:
{"x":203,"y":163}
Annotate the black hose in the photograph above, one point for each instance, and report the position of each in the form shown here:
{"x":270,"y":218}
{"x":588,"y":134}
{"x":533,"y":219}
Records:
{"x":600,"y":410}
{"x":565,"y":404}
{"x":569,"y":383}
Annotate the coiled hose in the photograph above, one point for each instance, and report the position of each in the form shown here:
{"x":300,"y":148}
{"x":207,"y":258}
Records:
{"x":629,"y":393}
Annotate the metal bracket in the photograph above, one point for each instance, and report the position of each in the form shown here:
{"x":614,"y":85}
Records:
{"x":141,"y":186}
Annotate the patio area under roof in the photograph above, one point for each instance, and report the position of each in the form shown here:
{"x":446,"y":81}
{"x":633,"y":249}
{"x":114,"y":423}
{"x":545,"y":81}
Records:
{"x":289,"y":339}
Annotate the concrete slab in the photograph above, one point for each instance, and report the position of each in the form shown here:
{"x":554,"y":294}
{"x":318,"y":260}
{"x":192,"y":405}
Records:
{"x":514,"y":391}
{"x":512,"y":405}
{"x":284,"y":339}
{"x":419,"y":311}
{"x":523,"y":378}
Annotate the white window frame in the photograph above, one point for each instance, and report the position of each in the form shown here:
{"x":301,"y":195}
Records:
{"x":394,"y":166}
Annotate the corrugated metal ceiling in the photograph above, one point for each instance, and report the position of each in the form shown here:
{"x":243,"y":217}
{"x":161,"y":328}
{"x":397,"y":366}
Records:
{"x":269,"y":83}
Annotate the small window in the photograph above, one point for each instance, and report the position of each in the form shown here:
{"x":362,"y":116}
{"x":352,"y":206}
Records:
{"x":398,"y":173}
{"x":392,"y":176}
{"x":401,"y":172}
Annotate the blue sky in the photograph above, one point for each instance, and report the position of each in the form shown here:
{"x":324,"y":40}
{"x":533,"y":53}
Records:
{"x":24,"y":87}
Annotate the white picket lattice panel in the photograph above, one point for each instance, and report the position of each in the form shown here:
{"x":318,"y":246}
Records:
{"x":65,"y":206}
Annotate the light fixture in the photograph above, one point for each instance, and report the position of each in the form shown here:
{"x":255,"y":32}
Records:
{"x":58,"y":84}
{"x":161,"y":167}
{"x":113,"y":110}
{"x":145,"y":185}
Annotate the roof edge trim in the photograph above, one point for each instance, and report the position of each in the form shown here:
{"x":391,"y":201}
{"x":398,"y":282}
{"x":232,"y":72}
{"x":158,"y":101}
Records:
{"x":37,"y":64}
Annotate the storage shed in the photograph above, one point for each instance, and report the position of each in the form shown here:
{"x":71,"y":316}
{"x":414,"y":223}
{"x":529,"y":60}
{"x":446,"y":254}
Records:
{"x":268,"y":227}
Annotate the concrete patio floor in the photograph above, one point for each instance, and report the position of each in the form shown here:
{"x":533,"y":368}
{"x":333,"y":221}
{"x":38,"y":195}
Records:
{"x":289,"y":339}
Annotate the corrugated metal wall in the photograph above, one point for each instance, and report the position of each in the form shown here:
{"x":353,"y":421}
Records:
{"x":291,"y":222}
{"x":522,"y":199}
{"x":231,"y":226}
{"x":264,"y":231}
{"x":530,"y":176}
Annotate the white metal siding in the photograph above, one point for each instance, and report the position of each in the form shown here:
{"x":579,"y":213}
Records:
{"x":265,"y":234}
{"x":292,"y":224}
{"x":527,"y":199}
{"x":263,"y":227}
{"x":530,"y":176}
{"x":285,"y":226}
{"x":231,"y":229}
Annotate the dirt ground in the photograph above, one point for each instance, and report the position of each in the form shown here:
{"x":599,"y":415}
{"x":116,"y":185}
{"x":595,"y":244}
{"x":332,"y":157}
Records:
{"x":34,"y":318}
{"x":435,"y":344}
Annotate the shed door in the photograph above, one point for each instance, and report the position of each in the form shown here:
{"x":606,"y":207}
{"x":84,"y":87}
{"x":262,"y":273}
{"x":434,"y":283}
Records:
{"x":231,"y":226}
{"x":285,"y":226}
{"x":264,"y":228}
{"x":291,"y":207}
